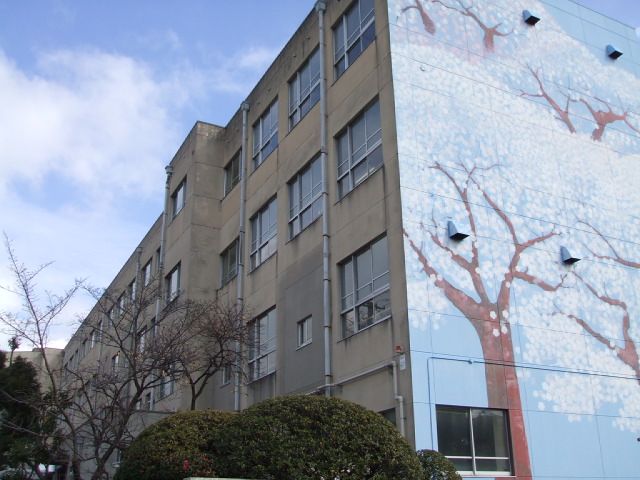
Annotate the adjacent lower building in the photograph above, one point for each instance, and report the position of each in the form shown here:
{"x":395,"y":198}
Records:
{"x":432,"y":209}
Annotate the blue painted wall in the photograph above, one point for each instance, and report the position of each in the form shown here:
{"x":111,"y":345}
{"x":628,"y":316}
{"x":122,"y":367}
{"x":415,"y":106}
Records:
{"x":528,"y":138}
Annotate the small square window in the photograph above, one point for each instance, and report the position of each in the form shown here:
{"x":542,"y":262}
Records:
{"x":232,"y":174}
{"x":173,"y":284}
{"x":229,"y":263}
{"x":304,"y":332}
{"x":226,"y":375}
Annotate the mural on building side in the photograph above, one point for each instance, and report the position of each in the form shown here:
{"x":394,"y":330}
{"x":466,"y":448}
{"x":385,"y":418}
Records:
{"x":528,"y":140}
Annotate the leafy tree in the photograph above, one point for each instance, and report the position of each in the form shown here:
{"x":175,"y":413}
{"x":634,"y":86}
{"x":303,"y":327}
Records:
{"x":176,"y":447}
{"x":311,"y":437}
{"x":436,"y":466}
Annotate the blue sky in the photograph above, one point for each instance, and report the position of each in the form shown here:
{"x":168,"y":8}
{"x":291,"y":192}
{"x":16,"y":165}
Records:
{"x":96,"y":97}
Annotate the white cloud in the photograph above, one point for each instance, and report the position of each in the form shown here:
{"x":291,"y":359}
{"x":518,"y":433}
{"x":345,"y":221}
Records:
{"x":240,"y":72}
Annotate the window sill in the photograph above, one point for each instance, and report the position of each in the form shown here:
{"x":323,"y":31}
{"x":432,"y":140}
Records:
{"x":266,"y":375}
{"x":263,"y":262}
{"x":226,"y":282}
{"x":263,"y":161}
{"x":304,"y":229}
{"x":384,"y":319}
{"x":300,"y":347}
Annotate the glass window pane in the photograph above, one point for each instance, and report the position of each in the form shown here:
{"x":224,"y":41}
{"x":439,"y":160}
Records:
{"x":374,"y":159}
{"x":462,"y":464}
{"x":493,"y":465}
{"x":368,"y":35}
{"x":346,"y":273}
{"x":344,"y":186}
{"x":360,"y":172}
{"x":358,"y":140}
{"x":365,"y":314}
{"x":363,"y":269}
{"x":372,"y":118}
{"x":353,"y":23}
{"x":256,"y":138}
{"x":366,"y":9}
{"x":354,"y":52}
{"x":489,"y":433}
{"x":382,"y":305}
{"x":454,"y":432}
{"x":348,"y":323}
{"x":293,"y":94}
{"x":379,"y":257}
{"x":338,"y":40}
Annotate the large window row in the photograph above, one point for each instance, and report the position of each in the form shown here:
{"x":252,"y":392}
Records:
{"x":352,"y":34}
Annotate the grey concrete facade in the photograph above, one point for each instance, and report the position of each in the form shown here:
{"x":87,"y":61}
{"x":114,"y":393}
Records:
{"x":368,"y":367}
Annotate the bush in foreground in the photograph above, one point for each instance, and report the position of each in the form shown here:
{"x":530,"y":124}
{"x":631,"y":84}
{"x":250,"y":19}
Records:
{"x":310,"y":437}
{"x":182,"y":445}
{"x":437,"y":467}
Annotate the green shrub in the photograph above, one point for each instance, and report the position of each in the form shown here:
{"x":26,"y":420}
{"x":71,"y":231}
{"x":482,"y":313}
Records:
{"x":437,"y":467}
{"x":311,"y":437}
{"x":160,"y":451}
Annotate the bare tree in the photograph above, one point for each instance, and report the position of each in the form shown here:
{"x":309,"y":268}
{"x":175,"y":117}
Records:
{"x":14,"y":344}
{"x":606,"y":117}
{"x":131,"y":345}
{"x":485,"y":312}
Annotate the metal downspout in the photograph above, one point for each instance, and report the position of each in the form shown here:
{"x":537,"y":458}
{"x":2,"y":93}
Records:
{"x":398,"y":398}
{"x":321,"y":7}
{"x":241,"y":234}
{"x":169,"y":170}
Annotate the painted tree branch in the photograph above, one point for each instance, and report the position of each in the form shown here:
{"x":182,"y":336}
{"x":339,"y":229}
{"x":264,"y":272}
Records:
{"x":616,"y":256}
{"x":489,"y":32}
{"x":605,"y":117}
{"x":427,"y":22}
{"x":562,"y":113}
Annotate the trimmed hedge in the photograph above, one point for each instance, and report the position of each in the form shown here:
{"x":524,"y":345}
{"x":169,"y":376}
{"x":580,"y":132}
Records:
{"x":160,"y":451}
{"x":436,"y":466}
{"x":312,"y":437}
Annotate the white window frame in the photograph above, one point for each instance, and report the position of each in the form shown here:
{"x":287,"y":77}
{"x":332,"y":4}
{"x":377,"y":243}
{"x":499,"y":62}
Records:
{"x":304,"y":331}
{"x":473,"y":456}
{"x":265,"y":134}
{"x":354,"y":167}
{"x":115,"y":362}
{"x":352,"y":302}
{"x":231,"y":174}
{"x":226,"y":375}
{"x":303,"y":211}
{"x":299,"y":93}
{"x":263,"y":345}
{"x":178,"y":197}
{"x":228,"y":271}
{"x":132,"y":290}
{"x":264,"y":244}
{"x":172,"y":282}
{"x":360,"y":39}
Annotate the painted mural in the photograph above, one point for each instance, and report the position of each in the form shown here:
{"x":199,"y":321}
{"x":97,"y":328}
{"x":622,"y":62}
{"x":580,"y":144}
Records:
{"x":527,"y":138}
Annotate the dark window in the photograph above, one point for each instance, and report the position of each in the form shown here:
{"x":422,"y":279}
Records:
{"x":476,"y":440}
{"x":352,"y":34}
{"x":359,"y":149}
{"x":173,"y":283}
{"x":304,"y":89}
{"x":262,"y":345}
{"x":178,"y":197}
{"x":232,"y":174}
{"x":264,"y":230}
{"x":265,"y":135}
{"x":229,"y":262}
{"x":305,"y":197}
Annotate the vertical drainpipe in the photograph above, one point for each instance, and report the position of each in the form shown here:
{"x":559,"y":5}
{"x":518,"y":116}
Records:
{"x":169,"y":170}
{"x":321,"y":7}
{"x":241,"y":234}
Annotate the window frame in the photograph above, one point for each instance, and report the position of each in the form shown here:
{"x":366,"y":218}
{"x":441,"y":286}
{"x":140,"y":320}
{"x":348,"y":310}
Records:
{"x":230,"y":275}
{"x":472,"y":442}
{"x":171,"y":295}
{"x":343,"y":46}
{"x":262,"y":350}
{"x":146,"y":273}
{"x":261,"y":242}
{"x":313,"y":203}
{"x":226,"y":375}
{"x":263,"y":147}
{"x":349,"y":313}
{"x":231,"y":179}
{"x":304,"y":331}
{"x":371,"y":157}
{"x":297,"y":96}
{"x":179,"y":197}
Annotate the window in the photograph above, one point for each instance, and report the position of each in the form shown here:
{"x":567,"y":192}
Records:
{"x":352,"y":34}
{"x":476,"y":440}
{"x":304,"y":89}
{"x":121,"y":305}
{"x":146,"y":273}
{"x":304,"y":332}
{"x":115,"y":360}
{"x":132,"y":290}
{"x":305,"y":197}
{"x":94,"y":335}
{"x":232,"y":174}
{"x":142,"y":339}
{"x":262,"y":345}
{"x":229,"y":262}
{"x":265,"y":135}
{"x":226,"y":375}
{"x":178,"y":197}
{"x":158,"y":255}
{"x":264,"y":229}
{"x":359,"y":149}
{"x":147,"y":401}
{"x":167,"y":384}
{"x":83,"y":348}
{"x":173,"y":283}
{"x":365,"y":288}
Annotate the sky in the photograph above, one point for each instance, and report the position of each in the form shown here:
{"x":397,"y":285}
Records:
{"x":95,"y":99}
